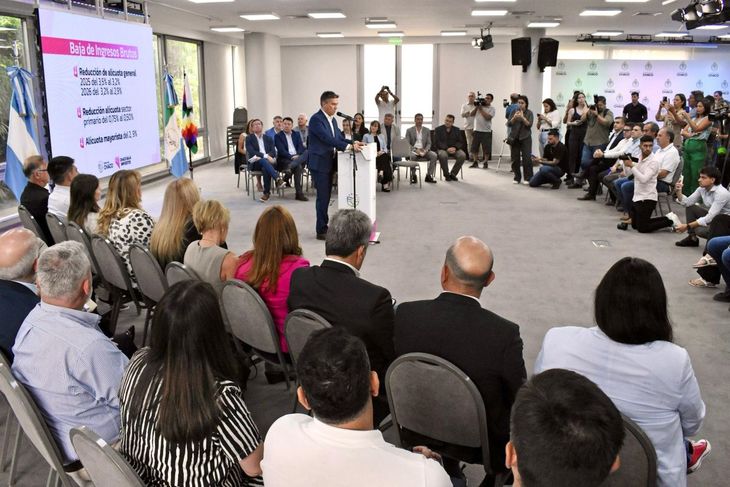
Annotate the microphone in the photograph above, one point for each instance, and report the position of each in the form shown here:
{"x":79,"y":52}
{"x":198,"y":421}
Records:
{"x":346,"y":117}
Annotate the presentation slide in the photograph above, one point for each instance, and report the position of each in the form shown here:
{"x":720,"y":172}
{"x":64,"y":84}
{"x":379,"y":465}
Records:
{"x":100,"y":91}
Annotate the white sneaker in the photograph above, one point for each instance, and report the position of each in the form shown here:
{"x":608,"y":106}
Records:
{"x":526,"y":183}
{"x":675,"y":219}
{"x":515,"y":182}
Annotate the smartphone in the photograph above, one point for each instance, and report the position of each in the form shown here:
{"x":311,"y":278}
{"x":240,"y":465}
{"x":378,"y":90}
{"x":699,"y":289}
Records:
{"x":681,"y":179}
{"x":665,"y":99}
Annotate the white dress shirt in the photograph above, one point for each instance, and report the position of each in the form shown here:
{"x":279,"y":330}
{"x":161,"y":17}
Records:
{"x":59,"y":200}
{"x":645,"y":175}
{"x":419,"y":138}
{"x":466,"y":108}
{"x":716,"y":200}
{"x":668,"y":159}
{"x":290,"y":144}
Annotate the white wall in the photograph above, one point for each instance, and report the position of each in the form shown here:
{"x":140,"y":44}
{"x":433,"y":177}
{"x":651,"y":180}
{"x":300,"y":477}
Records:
{"x":307,"y":71}
{"x":218,"y":68}
{"x":263,"y":76}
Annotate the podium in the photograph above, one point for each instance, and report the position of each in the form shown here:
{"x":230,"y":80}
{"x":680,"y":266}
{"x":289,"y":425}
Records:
{"x":360,"y":195}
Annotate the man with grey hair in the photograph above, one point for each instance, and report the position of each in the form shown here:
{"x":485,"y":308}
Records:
{"x":485,"y":346}
{"x":336,"y":291}
{"x":302,"y":127}
{"x":70,"y":368}
{"x":35,"y":195}
{"x":19,"y":250}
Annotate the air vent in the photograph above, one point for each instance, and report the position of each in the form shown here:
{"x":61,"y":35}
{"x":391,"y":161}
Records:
{"x":522,"y":13}
{"x":647,"y":14}
{"x":296,"y":17}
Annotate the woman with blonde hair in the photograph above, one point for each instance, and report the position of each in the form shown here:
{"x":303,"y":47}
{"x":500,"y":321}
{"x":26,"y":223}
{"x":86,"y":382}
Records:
{"x":122,"y":220}
{"x":268,"y":267}
{"x":175,"y":229}
{"x":213,"y":263}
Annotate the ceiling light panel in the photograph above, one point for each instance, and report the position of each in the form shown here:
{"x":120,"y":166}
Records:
{"x":266,"y":16}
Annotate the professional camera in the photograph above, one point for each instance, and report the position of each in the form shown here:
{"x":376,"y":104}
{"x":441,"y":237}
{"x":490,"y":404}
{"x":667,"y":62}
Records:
{"x":718,"y":114}
{"x":595,"y":103}
{"x":505,"y":102}
{"x":480,"y":100}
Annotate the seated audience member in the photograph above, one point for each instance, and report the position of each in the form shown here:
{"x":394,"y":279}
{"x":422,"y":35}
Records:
{"x":358,"y":127}
{"x":175,"y":229}
{"x":276,"y":128}
{"x":447,"y":139}
{"x":631,"y":357}
{"x":261,"y":154}
{"x":84,"y":207}
{"x":455,"y":327}
{"x":19,"y":251}
{"x":554,"y":162}
{"x":70,"y":368}
{"x":703,"y":205}
{"x":601,"y":162}
{"x":240,"y":156}
{"x":268,"y":267}
{"x":390,"y":132}
{"x":180,"y":399}
{"x":213,"y":263}
{"x":336,"y":291}
{"x":419,"y":138}
{"x":35,"y":194}
{"x":347,"y":129}
{"x":564,"y":431}
{"x":302,"y":127}
{"x":339,"y":445}
{"x":291,"y":156}
{"x":645,"y":195}
{"x":382,"y":162}
{"x":707,"y":267}
{"x":62,"y":171}
{"x":617,"y":176}
{"x":719,"y":250}
{"x":122,"y":220}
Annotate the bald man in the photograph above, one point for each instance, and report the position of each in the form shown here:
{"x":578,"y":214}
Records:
{"x":454,"y":326}
{"x":19,"y":251}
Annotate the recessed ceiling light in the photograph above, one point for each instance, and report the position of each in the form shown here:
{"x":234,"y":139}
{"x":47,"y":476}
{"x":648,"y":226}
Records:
{"x":600,"y":12}
{"x":672,"y":34}
{"x":478,"y":12}
{"x":713,"y":27}
{"x":395,"y":33}
{"x":260,"y":16}
{"x":542,"y":25}
{"x":334,"y":14}
{"x":330,"y":34}
{"x":227,"y":29}
{"x":453,"y":33}
{"x":212,"y":1}
{"x":385,"y":24}
{"x":608,"y":33}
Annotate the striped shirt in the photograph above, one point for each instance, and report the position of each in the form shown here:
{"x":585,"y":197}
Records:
{"x":212,"y":461}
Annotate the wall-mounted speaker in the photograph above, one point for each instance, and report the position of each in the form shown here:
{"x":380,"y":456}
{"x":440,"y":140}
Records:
{"x":521,"y":52}
{"x":547,"y":53}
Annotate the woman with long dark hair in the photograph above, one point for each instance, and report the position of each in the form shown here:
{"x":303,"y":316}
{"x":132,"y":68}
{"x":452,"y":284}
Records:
{"x":578,"y":127}
{"x":631,"y":356}
{"x":358,"y":127}
{"x":695,"y":134}
{"x":84,"y":206}
{"x":183,"y":418}
{"x":520,"y":125}
{"x":382,"y":161}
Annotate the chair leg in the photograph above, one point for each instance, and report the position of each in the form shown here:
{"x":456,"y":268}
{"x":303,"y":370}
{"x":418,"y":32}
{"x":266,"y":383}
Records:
{"x":16,"y":446}
{"x":238,"y":182}
{"x":51,"y":476}
{"x":6,"y":439}
{"x":146,"y":324}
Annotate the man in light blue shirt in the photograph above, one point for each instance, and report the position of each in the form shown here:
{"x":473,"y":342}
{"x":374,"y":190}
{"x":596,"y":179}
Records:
{"x":68,"y":365}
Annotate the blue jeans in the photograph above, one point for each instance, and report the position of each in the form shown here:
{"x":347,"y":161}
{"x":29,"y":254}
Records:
{"x":587,"y":155}
{"x":546,"y":174}
{"x":264,"y":166}
{"x":618,"y":184}
{"x":719,"y":249}
{"x":625,"y":191}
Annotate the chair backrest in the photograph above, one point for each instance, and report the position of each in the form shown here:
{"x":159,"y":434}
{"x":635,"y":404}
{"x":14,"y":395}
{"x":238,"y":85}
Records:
{"x":151,"y":281}
{"x":31,"y":420}
{"x":240,"y":116}
{"x":638,"y":460}
{"x":400,"y":148}
{"x":77,"y":234}
{"x":112,"y":267}
{"x":299,"y":325}
{"x":432,"y":397}
{"x":57,"y":227}
{"x":248,"y":316}
{"x":30,"y":223}
{"x":678,"y":171}
{"x":176,"y":272}
{"x":104,"y":464}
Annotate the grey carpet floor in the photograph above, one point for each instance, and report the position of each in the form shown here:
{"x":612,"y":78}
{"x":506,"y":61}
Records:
{"x":546,"y":266}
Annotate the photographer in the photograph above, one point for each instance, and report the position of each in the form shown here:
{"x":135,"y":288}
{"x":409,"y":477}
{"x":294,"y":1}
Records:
{"x":483,"y":129}
{"x":598,"y":120}
{"x":520,"y":140}
{"x":554,"y":162}
{"x":385,"y":103}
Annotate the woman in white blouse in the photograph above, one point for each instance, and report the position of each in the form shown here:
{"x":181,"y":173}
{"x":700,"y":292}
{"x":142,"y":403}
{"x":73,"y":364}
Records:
{"x":631,"y":357}
{"x":547,"y":121}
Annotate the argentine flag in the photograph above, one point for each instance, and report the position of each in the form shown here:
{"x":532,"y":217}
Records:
{"x":22,"y":134}
{"x":174,"y":146}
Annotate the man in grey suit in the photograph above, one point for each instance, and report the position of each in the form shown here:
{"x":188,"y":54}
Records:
{"x":419,"y":138}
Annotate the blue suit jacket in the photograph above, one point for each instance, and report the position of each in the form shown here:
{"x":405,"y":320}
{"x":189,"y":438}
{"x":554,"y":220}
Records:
{"x":252,"y":146}
{"x":16,"y":301}
{"x":282,"y":147}
{"x":322,"y":142}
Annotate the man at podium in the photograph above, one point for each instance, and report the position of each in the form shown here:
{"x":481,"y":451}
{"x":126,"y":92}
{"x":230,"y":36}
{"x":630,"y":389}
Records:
{"x":325,"y":139}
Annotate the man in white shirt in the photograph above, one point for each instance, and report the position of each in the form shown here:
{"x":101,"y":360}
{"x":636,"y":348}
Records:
{"x":644,"y":202}
{"x":62,"y":171}
{"x":339,"y":445}
{"x":483,"y":130}
{"x":713,"y":200}
{"x":468,"y":112}
{"x":386,"y":101}
{"x":419,"y":138}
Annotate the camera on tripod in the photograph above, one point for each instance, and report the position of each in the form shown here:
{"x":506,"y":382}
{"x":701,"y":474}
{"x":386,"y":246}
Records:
{"x":480,"y":100}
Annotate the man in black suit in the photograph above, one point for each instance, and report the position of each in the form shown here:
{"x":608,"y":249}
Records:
{"x":19,"y":251}
{"x":35,"y":194}
{"x":454,"y":326}
{"x":336,"y":291}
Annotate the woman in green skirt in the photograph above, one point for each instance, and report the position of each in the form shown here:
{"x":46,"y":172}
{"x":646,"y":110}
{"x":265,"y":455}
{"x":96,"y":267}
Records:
{"x":695,"y":134}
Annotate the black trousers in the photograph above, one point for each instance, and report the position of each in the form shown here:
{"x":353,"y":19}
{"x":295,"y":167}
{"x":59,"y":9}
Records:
{"x":641,"y":219}
{"x":382,"y":163}
{"x":594,"y":172}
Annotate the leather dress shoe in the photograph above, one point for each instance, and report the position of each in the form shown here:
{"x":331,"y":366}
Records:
{"x":587,"y":197}
{"x":622,"y":226}
{"x":429,"y":179}
{"x":301,"y":197}
{"x":321,"y":236}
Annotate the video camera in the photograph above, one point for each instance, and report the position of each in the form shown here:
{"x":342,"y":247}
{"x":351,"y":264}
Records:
{"x":595,"y":103}
{"x":505,"y":102}
{"x":480,"y":100}
{"x":718,"y":114}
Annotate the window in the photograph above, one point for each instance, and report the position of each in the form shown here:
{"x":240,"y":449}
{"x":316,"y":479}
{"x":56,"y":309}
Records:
{"x":417,"y":85}
{"x":379,"y":61}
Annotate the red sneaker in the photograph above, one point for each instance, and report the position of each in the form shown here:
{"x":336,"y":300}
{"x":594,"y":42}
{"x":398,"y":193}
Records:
{"x":700,"y":449}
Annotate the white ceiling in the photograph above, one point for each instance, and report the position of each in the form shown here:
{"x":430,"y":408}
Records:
{"x":416,"y":18}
